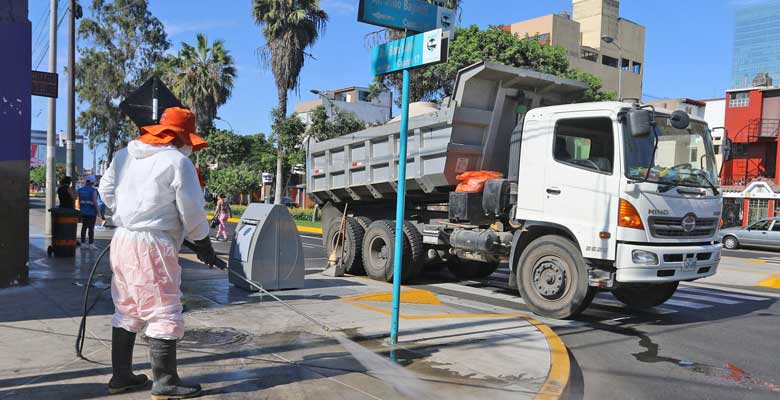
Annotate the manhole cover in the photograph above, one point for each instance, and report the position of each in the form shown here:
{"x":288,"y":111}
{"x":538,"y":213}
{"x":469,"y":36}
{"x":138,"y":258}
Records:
{"x":199,"y":338}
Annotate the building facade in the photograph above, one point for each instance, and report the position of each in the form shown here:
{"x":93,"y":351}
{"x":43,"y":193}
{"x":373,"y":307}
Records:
{"x":756,"y":42}
{"x":597,"y":41}
{"x":750,"y":179}
{"x":357,"y":100}
{"x":38,"y":150}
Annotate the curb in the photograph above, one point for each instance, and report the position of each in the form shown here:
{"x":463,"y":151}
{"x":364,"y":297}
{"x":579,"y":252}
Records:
{"x":305,"y":229}
{"x":560,"y":366}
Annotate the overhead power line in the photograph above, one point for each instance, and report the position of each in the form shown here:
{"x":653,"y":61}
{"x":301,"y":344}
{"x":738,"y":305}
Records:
{"x":46,"y":51}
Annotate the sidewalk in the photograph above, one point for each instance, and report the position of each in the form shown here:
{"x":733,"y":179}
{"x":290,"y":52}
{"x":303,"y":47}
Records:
{"x":243,"y":345}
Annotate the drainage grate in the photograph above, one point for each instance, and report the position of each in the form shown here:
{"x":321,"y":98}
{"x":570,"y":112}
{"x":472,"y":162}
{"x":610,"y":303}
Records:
{"x":200,"y":338}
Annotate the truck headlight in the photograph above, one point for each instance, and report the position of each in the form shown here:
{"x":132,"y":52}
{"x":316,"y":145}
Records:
{"x":644,"y":257}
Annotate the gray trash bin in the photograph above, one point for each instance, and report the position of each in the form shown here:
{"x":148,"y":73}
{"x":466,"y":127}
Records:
{"x":267,"y":249}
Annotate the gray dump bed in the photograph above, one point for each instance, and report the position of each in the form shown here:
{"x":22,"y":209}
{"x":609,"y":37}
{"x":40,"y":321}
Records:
{"x":470,"y":132}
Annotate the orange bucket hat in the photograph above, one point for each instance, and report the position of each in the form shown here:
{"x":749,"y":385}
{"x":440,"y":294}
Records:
{"x":175,"y":123}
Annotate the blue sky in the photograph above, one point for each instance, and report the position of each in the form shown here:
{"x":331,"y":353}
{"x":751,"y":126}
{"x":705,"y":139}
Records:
{"x":688,"y":50}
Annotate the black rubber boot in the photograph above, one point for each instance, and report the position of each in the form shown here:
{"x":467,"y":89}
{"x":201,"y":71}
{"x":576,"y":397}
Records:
{"x":123,"y":379}
{"x":167,"y":385}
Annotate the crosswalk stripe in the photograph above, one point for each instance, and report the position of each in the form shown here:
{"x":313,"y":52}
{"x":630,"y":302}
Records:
{"x":479,"y":291}
{"x":616,"y":303}
{"x":710,"y":299}
{"x":686,"y":304}
{"x":722,"y":293}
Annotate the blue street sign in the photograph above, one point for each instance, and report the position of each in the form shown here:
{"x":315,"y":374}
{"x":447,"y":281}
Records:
{"x":413,"y":15}
{"x":410,"y":52}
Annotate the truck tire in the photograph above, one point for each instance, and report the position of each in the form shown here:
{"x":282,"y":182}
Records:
{"x":378,"y":252}
{"x":468,"y":269}
{"x":644,"y":295}
{"x":363,"y":221}
{"x":730,"y":242}
{"x":416,"y":258}
{"x":353,"y":232}
{"x":552,"y":278}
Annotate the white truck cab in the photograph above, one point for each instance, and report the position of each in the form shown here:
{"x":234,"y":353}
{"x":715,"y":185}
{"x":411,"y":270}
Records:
{"x":584,"y":170}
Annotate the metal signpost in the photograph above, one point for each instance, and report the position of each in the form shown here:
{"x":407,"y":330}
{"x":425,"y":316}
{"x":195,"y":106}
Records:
{"x":410,"y":15}
{"x":414,"y":51}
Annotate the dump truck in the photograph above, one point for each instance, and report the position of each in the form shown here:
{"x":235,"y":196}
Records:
{"x":616,"y":196}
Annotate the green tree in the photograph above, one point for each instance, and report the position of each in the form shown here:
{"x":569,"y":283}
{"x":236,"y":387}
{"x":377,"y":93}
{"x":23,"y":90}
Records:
{"x":288,"y":134}
{"x":261,"y":153}
{"x":342,"y":122}
{"x":38,"y":175}
{"x":289,"y":27}
{"x":471,"y":45}
{"x":238,"y":179}
{"x":121,"y":45}
{"x":225,"y":148}
{"x":202,"y":78}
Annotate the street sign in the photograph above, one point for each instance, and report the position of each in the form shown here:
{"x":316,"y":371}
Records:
{"x":412,"y":15}
{"x":44,"y":84}
{"x":410,"y":52}
{"x":146,"y":104}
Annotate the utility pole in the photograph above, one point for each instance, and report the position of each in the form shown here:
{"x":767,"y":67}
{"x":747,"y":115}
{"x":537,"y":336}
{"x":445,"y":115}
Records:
{"x":51,"y":143}
{"x":70,"y":159}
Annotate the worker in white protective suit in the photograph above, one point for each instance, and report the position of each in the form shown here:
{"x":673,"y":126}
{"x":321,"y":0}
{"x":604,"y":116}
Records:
{"x":153,"y":189}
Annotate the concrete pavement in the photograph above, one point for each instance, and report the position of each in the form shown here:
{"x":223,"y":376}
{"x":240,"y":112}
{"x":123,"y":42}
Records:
{"x":243,"y":345}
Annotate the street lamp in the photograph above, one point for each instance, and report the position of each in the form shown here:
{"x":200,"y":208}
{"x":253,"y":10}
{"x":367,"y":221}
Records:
{"x":612,"y":41}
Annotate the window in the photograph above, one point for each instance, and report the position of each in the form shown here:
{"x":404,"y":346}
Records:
{"x":776,"y":227}
{"x":543,"y":38}
{"x":636,"y":68}
{"x":624,"y":64}
{"x":585,"y":143}
{"x":609,"y":61}
{"x":694,"y":155}
{"x":757,"y":210}
{"x":364,"y":96}
{"x":717,"y":149}
{"x":739,"y":149}
{"x":761,"y":225}
{"x":589,"y":55}
{"x":741,"y":99}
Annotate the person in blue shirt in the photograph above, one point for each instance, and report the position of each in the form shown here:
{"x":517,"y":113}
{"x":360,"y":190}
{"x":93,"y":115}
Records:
{"x":88,"y":203}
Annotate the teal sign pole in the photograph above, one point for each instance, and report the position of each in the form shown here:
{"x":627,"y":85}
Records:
{"x":400,"y":206}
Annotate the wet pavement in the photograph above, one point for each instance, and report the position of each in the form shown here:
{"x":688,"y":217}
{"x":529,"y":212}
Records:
{"x":243,"y":345}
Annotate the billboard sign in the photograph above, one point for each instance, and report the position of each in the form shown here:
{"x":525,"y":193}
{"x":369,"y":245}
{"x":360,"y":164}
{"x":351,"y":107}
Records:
{"x":410,"y":52}
{"x":413,"y":15}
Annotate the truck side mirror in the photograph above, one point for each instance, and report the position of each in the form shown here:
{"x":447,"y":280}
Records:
{"x":639,"y":122}
{"x":680,"y":119}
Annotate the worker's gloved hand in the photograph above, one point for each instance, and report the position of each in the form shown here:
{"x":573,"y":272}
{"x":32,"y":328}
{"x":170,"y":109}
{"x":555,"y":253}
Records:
{"x":205,"y":252}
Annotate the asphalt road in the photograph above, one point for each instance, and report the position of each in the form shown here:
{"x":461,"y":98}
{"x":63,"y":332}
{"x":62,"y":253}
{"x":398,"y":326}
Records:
{"x":716,"y":339}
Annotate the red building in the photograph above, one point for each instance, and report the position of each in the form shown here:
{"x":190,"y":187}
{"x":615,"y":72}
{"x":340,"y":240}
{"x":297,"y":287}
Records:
{"x":751,"y":183}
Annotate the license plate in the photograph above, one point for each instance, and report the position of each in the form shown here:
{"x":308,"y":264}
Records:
{"x":689,"y":264}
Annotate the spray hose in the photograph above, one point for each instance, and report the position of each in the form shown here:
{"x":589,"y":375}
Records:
{"x":219,"y":263}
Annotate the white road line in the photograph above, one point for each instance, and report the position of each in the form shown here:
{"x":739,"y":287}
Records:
{"x":710,"y":299}
{"x":610,"y":301}
{"x":311,"y":237}
{"x":500,"y":275}
{"x":686,"y":304}
{"x":311,"y":246}
{"x":479,"y":292}
{"x":723,"y":293}
{"x":729,"y":289}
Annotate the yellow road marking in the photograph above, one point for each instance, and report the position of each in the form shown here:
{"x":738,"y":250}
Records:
{"x":416,"y":296}
{"x":560,"y":366}
{"x":305,"y":229}
{"x":772,"y":282}
{"x":757,"y":261}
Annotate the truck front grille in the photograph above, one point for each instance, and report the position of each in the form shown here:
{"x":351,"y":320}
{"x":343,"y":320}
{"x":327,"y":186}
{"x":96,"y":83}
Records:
{"x":671,"y":227}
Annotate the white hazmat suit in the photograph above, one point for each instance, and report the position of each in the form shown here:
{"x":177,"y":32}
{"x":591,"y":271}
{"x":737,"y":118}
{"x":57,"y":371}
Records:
{"x":157,"y":202}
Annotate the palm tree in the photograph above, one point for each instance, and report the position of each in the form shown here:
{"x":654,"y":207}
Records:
{"x":202,"y":77}
{"x":289,"y":27}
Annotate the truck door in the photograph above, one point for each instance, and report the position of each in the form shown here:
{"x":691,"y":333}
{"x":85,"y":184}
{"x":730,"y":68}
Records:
{"x":582,"y":180}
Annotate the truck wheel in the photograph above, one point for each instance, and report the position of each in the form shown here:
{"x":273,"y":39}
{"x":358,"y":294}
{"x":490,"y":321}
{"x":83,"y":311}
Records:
{"x":730,"y":242}
{"x":644,"y":295}
{"x":468,"y":269}
{"x":378,"y":252}
{"x":353,"y":232}
{"x":413,"y":261}
{"x":553,"y":278}
{"x":363,"y":221}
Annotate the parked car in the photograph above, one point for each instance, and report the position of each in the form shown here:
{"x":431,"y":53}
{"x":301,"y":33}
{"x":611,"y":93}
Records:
{"x":763,"y":233}
{"x":287,"y":202}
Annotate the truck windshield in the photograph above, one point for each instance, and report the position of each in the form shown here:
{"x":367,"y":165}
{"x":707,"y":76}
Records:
{"x":684,"y":156}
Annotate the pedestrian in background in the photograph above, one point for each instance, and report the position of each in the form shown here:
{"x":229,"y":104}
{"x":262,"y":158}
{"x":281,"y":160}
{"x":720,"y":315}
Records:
{"x":66,"y":194}
{"x":223,"y":212}
{"x":88,"y":203}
